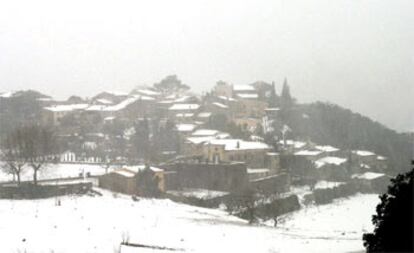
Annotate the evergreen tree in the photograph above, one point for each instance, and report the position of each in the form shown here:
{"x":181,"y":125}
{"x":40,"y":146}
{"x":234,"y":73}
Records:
{"x":171,"y":84}
{"x":286,"y":100}
{"x":273,"y":99}
{"x":394,"y":219}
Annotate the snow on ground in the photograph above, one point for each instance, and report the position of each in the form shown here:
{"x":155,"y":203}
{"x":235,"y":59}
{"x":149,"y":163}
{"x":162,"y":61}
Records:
{"x":60,"y":170}
{"x":302,"y":190}
{"x":98,"y":224}
{"x":344,"y":220}
{"x":199,"y":193}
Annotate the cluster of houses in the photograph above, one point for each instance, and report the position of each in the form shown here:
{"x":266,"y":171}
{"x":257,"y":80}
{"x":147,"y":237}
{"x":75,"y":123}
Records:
{"x":209,"y":158}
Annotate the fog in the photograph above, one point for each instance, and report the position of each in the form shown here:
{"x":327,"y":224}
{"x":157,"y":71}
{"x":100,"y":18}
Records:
{"x":356,"y":53}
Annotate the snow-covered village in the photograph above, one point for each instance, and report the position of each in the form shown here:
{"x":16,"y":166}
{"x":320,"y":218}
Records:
{"x":265,"y":126}
{"x":161,"y":168}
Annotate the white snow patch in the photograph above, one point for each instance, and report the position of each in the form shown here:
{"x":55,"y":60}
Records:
{"x":97,"y":224}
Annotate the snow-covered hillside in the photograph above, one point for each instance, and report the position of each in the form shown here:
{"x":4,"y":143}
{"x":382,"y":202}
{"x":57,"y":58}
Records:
{"x":98,"y":224}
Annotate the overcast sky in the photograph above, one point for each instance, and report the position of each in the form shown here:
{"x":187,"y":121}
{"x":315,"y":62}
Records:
{"x":356,"y":53}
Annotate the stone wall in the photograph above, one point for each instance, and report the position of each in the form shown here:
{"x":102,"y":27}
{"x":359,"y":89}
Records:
{"x":30,"y":191}
{"x":221,"y":177}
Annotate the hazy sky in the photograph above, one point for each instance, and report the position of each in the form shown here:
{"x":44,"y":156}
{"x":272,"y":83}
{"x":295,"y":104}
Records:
{"x":356,"y":53}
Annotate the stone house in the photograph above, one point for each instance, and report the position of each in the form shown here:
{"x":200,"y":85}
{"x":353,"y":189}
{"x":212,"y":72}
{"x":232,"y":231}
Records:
{"x":229,"y":177}
{"x":332,"y":168}
{"x":235,"y":150}
{"x":125,"y":179}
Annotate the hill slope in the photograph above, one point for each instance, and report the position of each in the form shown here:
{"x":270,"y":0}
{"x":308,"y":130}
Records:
{"x":98,"y":224}
{"x":331,"y":124}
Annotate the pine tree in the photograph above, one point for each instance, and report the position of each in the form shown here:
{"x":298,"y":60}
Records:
{"x":286,"y":99}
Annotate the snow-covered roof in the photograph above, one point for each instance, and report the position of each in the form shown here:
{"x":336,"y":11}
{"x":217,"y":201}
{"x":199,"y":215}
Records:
{"x":363,"y":153}
{"x":104,"y":101}
{"x":220,"y":105}
{"x":145,"y":98}
{"x":186,"y":127}
{"x":166,"y":102}
{"x":254,"y":171}
{"x":295,"y":144}
{"x":199,"y":139}
{"x":204,"y":114}
{"x":205,"y":132}
{"x":227,"y":98}
{"x":272,"y":153}
{"x":368,"y":175}
{"x":66,"y":108}
{"x":327,"y":148}
{"x":308,"y":153}
{"x":138,"y":168}
{"x":122,"y":105}
{"x":96,"y":108}
{"x":184,"y":115}
{"x":117,"y":93}
{"x":182,"y":99}
{"x":125,"y":103}
{"x":223,"y":136}
{"x":330,"y":160}
{"x":237,"y":144}
{"x":148,"y":92}
{"x":327,"y":184}
{"x":381,"y":158}
{"x":125,"y":172}
{"x":177,"y":107}
{"x":243,"y":88}
{"x":264,"y":178}
{"x":273,"y":109}
{"x":109,"y":118}
{"x":365,"y":166}
{"x":247,"y":95}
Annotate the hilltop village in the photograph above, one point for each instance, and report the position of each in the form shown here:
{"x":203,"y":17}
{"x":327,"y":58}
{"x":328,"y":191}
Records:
{"x":166,"y":141}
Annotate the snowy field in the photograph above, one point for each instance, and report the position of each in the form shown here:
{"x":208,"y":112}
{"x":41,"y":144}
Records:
{"x":53,"y":171}
{"x":98,"y":224}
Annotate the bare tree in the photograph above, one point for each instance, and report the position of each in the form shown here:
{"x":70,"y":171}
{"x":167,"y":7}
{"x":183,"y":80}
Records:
{"x":32,"y":145}
{"x":43,"y":148}
{"x":13,"y":155}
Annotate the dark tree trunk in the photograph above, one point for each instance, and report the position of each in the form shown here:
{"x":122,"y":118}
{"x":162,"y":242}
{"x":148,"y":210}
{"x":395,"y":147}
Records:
{"x":18,"y":178}
{"x":35,"y":176}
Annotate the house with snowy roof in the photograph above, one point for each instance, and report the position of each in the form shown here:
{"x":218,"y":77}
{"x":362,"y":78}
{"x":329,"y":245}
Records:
{"x":132,"y":107}
{"x":310,"y":154}
{"x":193,"y":144}
{"x":371,"y":181}
{"x":112,"y":96}
{"x":235,"y":150}
{"x":363,"y":160}
{"x":183,"y":112}
{"x":332,"y":168}
{"x":53,"y":115}
{"x":126,"y":179}
{"x":218,"y":108}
